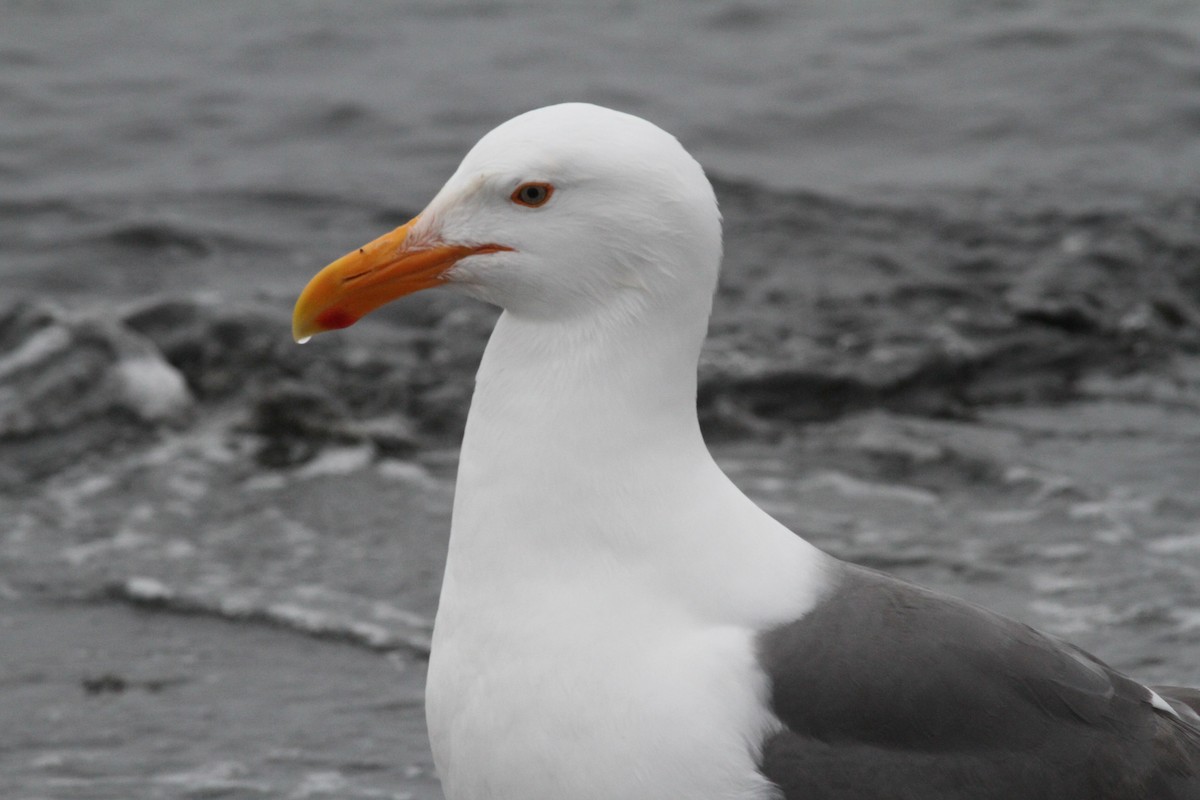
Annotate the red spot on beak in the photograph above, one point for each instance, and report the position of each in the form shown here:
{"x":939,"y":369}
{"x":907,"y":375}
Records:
{"x":335,"y":319}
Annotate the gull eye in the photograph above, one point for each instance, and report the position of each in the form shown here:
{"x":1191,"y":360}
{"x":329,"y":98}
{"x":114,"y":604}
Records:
{"x":532,"y":194}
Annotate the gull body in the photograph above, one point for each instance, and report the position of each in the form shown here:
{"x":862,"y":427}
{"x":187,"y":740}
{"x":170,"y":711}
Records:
{"x":586,"y":497}
{"x":617,"y":620}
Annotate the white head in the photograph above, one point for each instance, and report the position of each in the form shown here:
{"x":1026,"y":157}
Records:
{"x":569,"y":212}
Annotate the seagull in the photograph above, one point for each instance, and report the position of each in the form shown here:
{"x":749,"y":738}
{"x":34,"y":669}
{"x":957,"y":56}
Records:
{"x":618,"y":621}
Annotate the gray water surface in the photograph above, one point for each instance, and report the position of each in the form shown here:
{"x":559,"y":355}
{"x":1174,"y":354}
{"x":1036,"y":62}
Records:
{"x":958,"y":338}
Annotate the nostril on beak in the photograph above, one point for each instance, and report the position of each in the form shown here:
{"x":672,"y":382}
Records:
{"x":352,"y":278}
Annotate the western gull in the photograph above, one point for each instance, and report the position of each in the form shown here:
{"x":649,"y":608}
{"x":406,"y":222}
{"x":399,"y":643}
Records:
{"x":617,"y":620}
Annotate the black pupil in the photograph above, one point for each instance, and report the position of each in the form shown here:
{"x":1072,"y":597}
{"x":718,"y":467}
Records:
{"x":533,"y":194}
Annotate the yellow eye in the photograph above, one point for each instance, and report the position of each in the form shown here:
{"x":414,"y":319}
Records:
{"x":532,"y":194}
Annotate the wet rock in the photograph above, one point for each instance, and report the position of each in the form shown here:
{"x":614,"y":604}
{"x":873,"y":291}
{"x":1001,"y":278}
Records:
{"x":380,"y":383}
{"x":939,"y":309}
{"x":70,"y":384}
{"x":221,"y":348}
{"x":295,"y":420}
{"x":58,"y":370}
{"x":828,"y":308}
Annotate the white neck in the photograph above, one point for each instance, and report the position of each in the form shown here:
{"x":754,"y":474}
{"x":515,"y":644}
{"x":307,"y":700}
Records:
{"x":605,"y":581}
{"x":583,"y":449}
{"x":572,"y":393}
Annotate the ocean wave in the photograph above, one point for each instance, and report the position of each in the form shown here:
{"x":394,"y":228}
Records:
{"x":372,"y":624}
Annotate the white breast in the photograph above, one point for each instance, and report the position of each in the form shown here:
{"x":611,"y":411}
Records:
{"x":604,"y":676}
{"x":661,"y":710}
{"x":605,"y":582}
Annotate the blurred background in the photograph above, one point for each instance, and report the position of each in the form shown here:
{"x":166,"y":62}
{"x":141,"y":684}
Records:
{"x":957,"y":338}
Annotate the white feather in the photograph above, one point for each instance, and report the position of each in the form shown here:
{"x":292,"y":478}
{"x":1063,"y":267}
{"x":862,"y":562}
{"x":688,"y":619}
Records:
{"x":605,"y":581}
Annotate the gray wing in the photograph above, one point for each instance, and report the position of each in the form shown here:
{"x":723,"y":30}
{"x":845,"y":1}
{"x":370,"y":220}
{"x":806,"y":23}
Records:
{"x":887,"y":690}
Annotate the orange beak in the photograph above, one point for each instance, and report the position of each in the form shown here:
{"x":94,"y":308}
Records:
{"x":373,"y":275}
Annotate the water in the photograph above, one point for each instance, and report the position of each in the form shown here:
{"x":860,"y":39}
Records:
{"x":957,"y":339}
{"x":162,"y":146}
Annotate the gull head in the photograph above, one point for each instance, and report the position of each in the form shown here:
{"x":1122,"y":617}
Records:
{"x":571,"y":212}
